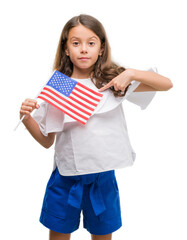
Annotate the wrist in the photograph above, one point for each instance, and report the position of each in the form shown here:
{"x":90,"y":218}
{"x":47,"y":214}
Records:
{"x":139,"y":75}
{"x":26,"y":118}
{"x":131,"y":74}
{"x":134,"y":74}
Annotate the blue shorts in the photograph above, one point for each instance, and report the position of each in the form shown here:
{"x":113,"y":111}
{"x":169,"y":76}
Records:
{"x":96,"y":195}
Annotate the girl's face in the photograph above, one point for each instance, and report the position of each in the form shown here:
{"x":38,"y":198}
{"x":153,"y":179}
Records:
{"x":83,"y":47}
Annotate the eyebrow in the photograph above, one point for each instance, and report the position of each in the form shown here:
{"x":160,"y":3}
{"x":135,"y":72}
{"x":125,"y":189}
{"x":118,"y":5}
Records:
{"x":88,"y":38}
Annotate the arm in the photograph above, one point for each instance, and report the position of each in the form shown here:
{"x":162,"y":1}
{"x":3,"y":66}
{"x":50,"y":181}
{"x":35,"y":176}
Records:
{"x":149,"y":81}
{"x":27,"y":107}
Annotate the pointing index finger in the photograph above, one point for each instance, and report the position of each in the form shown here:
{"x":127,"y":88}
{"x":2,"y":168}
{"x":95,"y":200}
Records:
{"x":108,"y":85}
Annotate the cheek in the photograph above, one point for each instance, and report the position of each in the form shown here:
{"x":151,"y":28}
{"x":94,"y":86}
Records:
{"x":96,"y":58}
{"x":72,"y":55}
{"x":95,"y":54}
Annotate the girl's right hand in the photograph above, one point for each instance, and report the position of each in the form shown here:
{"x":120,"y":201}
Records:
{"x":27,"y":107}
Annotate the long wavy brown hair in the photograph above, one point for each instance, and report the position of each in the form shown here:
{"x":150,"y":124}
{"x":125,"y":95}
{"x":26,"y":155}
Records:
{"x":105,"y":69}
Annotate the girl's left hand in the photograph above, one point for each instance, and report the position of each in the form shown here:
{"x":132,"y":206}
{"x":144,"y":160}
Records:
{"x":121,"y":82}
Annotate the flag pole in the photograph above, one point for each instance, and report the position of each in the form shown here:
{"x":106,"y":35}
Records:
{"x":35,"y":99}
{"x":19,"y":122}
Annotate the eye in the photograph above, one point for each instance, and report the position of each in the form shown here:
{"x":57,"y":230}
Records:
{"x":76,"y":43}
{"x":91,"y":43}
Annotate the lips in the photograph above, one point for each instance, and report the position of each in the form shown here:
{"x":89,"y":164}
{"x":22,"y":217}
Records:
{"x":83,"y":58}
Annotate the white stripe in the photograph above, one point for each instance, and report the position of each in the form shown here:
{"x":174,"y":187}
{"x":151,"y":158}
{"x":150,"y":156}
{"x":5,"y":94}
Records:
{"x":80,"y":100}
{"x":84,"y":96}
{"x":61,"y":107}
{"x":68,"y":105}
{"x":88,"y":92}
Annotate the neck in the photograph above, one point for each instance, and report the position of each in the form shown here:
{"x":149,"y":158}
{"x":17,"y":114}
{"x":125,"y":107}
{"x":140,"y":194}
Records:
{"x":81,"y":74}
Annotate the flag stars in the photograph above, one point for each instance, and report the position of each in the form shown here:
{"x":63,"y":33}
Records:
{"x":62,"y":84}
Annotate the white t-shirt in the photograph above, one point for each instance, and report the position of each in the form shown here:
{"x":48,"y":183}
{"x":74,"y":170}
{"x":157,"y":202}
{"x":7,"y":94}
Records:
{"x":100,"y":145}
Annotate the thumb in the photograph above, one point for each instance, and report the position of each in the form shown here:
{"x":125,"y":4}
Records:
{"x":37,"y":105}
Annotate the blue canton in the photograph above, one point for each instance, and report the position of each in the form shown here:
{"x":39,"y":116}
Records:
{"x":62,"y":83}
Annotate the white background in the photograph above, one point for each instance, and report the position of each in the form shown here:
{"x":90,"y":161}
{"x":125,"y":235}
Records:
{"x":141,"y":34}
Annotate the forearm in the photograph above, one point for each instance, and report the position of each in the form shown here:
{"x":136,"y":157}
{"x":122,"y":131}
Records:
{"x":153,"y":80}
{"x":34,"y":130}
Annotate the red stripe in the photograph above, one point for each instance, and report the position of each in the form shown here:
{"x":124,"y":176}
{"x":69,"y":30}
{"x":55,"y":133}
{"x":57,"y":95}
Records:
{"x":43,"y":98}
{"x":70,"y":103}
{"x":84,"y":99}
{"x":92,"y":91}
{"x":86,"y":94}
{"x":82,"y":104}
{"x":70,"y":97}
{"x":60,"y":103}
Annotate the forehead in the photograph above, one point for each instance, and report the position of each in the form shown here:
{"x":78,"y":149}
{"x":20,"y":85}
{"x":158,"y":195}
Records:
{"x":81,"y":32}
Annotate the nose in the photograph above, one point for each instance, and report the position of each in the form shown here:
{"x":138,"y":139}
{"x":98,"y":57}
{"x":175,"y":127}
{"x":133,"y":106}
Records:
{"x":84,"y":48}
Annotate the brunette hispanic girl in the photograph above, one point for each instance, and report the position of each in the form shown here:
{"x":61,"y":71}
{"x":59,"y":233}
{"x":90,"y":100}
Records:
{"x":86,"y":156}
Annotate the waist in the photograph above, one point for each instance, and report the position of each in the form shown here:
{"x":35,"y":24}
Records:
{"x":86,"y":179}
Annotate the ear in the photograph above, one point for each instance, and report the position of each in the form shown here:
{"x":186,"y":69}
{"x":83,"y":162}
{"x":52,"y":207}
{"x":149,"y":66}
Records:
{"x":100,"y":53}
{"x":67,"y":52}
{"x":101,"y":50}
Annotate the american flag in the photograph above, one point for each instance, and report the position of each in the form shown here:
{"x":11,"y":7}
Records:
{"x":71,"y":97}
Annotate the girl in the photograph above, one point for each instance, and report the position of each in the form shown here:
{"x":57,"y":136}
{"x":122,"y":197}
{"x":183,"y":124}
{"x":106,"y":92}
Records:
{"x":83,"y":177}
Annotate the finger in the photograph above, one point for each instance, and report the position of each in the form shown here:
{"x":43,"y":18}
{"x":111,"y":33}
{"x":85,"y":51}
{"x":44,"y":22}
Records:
{"x":37,"y":105}
{"x":32,"y":103}
{"x":24,"y":112}
{"x":30,"y":100}
{"x":108,"y":85}
{"x":27,"y":108}
{"x":27,"y":104}
{"x":116,"y":88}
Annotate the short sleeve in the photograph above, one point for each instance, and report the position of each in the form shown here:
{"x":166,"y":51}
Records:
{"x":49,"y":119}
{"x":142,"y":99}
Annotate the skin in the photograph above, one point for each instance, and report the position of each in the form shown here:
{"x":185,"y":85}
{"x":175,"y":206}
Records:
{"x":83,"y":47}
{"x":60,"y":236}
{"x":149,"y":81}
